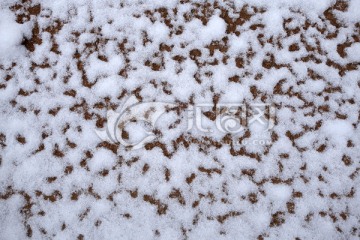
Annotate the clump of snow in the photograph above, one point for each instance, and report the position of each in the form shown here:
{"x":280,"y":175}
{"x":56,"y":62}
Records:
{"x":339,"y":131}
{"x":213,"y":30}
{"x":353,"y":52}
{"x":11,"y":34}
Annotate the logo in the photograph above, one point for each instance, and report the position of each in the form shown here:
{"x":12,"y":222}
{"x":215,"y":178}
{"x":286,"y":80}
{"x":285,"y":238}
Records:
{"x":229,"y":118}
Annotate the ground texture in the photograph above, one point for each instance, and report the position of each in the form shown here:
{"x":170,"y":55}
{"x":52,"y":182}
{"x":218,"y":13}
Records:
{"x":64,"y":64}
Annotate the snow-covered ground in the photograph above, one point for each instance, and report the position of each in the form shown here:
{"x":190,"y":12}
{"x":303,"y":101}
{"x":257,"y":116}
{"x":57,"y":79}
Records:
{"x":68,"y":67}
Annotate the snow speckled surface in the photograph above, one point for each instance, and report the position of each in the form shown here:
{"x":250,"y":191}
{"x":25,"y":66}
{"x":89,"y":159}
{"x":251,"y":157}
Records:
{"x":64,"y":64}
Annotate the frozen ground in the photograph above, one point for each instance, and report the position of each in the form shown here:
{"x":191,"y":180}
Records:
{"x":64,"y":64}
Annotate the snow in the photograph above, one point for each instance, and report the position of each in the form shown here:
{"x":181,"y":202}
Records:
{"x":11,"y":34}
{"x":354,"y":52}
{"x":339,"y":131}
{"x":213,"y":30}
{"x":67,"y":66}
